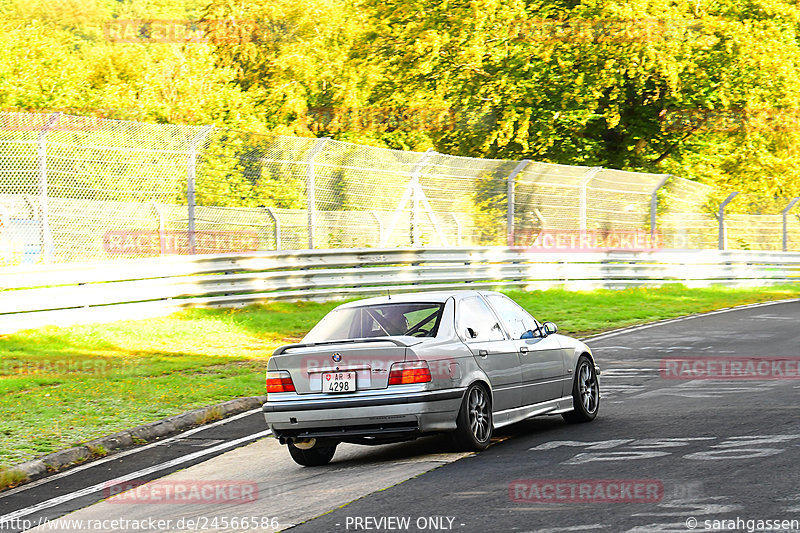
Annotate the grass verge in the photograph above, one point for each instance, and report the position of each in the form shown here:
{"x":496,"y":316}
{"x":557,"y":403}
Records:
{"x":9,"y":478}
{"x":63,"y":386}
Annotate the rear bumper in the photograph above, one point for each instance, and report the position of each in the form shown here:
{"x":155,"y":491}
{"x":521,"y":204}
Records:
{"x":401,"y":413}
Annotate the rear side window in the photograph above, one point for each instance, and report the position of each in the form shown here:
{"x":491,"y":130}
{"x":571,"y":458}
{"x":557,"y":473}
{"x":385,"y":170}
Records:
{"x":475,"y":321}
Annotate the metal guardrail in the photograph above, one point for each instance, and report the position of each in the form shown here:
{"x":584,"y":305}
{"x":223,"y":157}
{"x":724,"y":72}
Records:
{"x":96,"y":292}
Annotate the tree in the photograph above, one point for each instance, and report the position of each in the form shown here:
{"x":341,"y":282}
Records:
{"x":292,"y":56}
{"x":599,"y":83}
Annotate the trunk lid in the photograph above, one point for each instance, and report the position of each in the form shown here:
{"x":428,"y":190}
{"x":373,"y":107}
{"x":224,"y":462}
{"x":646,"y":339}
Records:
{"x":370,"y":360}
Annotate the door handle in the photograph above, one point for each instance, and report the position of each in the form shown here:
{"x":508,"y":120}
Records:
{"x":483,"y":353}
{"x":523,"y":349}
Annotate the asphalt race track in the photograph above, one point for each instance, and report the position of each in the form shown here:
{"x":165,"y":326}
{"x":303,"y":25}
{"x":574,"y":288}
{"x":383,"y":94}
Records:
{"x":664,"y":454}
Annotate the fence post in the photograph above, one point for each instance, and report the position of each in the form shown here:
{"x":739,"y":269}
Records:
{"x":784,"y":214}
{"x":45,"y":234}
{"x":721,"y":218}
{"x":458,"y":229}
{"x":512,"y":185}
{"x":34,"y":210}
{"x":380,"y":226}
{"x":414,"y":184}
{"x":311,"y":189}
{"x":592,"y":172}
{"x":654,"y":208}
{"x":277,"y":225}
{"x":161,"y":229}
{"x":191,"y":167}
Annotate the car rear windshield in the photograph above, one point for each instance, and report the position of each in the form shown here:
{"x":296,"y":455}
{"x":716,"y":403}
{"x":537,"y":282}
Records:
{"x":382,"y":320}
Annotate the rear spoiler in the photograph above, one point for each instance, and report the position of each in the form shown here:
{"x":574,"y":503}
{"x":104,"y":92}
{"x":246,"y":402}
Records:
{"x":396,"y":342}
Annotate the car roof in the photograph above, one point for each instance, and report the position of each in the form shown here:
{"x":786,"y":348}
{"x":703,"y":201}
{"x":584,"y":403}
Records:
{"x":410,"y":297}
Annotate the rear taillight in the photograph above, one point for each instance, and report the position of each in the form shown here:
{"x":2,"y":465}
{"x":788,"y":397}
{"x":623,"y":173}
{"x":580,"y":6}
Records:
{"x":414,"y":372}
{"x":279,"y":381}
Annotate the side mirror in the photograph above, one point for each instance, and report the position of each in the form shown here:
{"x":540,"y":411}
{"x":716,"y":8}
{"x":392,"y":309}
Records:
{"x":472,"y":334}
{"x":550,"y":328}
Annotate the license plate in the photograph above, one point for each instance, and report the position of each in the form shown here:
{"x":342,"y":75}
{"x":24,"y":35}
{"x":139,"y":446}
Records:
{"x":339,"y":382}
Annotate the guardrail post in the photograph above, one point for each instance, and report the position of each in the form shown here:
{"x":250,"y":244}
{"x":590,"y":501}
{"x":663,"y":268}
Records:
{"x":583,"y":185}
{"x":784,"y":213}
{"x":511,"y":197}
{"x":654,"y":208}
{"x":721,"y":218}
{"x":311,"y":189}
{"x":191,"y":168}
{"x":277,"y":225}
{"x":45,"y":234}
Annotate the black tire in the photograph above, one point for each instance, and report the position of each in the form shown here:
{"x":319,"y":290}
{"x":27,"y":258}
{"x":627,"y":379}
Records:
{"x":585,"y":393}
{"x":316,"y":456}
{"x":474,"y":423}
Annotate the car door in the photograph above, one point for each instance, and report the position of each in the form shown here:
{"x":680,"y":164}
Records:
{"x":497,"y":356}
{"x":541,"y":357}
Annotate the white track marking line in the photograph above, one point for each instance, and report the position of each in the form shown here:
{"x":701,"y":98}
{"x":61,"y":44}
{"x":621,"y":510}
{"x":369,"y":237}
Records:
{"x":127,"y":477}
{"x":115,"y":456}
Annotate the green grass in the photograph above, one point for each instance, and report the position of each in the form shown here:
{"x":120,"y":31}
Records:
{"x":60,"y":387}
{"x":584,"y":313}
{"x":9,"y":478}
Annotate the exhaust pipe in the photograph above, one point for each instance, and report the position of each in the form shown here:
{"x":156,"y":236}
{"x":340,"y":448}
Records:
{"x":304,"y":444}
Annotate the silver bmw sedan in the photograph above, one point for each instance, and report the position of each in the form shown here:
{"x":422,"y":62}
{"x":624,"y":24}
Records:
{"x":398,"y":367}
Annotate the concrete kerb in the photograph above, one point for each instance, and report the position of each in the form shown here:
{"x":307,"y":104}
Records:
{"x":63,"y":459}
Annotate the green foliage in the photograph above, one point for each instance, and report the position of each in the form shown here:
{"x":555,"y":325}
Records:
{"x":68,"y":56}
{"x":292,"y":56}
{"x":233,"y":171}
{"x":491,"y":208}
{"x":9,"y":478}
{"x":605,"y":83}
{"x":707,"y":91}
